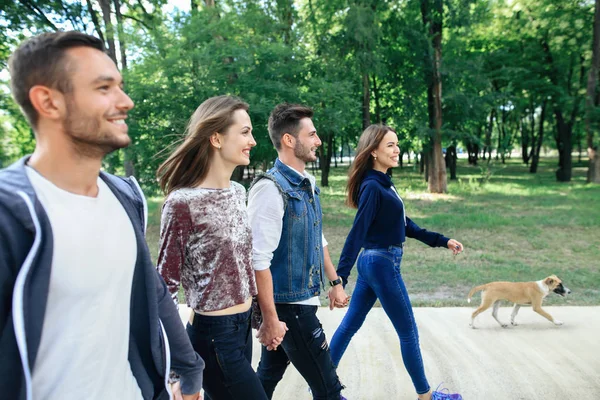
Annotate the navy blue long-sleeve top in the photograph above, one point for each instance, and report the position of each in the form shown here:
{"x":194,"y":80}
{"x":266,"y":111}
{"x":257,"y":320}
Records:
{"x":381,"y":222}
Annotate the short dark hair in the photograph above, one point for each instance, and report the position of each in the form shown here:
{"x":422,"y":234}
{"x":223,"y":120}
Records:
{"x":285,"y":118}
{"x":41,"y":60}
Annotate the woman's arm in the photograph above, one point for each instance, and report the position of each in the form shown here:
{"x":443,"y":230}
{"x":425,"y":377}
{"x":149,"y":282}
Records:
{"x":368,"y":204}
{"x":432,"y":239}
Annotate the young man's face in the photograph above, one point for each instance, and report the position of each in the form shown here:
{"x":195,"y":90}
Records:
{"x":97,"y":106}
{"x":307,"y":141}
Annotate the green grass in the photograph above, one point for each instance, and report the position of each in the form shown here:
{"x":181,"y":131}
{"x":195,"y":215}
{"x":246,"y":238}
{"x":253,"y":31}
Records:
{"x":515,"y":226}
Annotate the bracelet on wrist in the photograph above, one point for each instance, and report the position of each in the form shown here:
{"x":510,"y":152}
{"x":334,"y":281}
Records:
{"x":335,"y":282}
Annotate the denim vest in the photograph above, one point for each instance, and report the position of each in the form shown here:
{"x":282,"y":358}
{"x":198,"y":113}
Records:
{"x":297,"y":266}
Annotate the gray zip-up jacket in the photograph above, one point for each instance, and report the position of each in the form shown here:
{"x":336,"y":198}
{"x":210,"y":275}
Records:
{"x":157,"y":339}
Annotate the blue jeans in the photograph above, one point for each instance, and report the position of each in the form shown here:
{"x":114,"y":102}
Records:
{"x":305,"y":345}
{"x":379,"y":277}
{"x":225,"y":344}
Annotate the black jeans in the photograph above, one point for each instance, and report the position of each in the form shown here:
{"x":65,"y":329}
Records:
{"x":305,"y":345}
{"x":225,"y":344}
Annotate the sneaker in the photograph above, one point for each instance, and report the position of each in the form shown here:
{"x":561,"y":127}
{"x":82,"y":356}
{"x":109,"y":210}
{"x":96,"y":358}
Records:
{"x":441,"y":395}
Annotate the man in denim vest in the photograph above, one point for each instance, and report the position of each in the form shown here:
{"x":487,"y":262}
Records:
{"x":290,"y":257}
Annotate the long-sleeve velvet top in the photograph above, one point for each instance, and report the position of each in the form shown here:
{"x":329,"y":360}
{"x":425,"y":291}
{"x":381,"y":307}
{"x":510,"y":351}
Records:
{"x":206,"y":246}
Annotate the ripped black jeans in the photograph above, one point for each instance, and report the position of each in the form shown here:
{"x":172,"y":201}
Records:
{"x":305,"y":345}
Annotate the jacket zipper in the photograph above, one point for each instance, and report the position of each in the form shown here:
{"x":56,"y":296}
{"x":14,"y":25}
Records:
{"x":17,"y":306}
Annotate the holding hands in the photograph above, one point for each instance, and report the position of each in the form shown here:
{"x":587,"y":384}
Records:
{"x":338,"y":297}
{"x":271,"y":333}
{"x":455,"y":246}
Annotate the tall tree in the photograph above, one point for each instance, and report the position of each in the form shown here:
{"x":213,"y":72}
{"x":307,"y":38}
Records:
{"x":593,"y":174}
{"x":433,"y":14}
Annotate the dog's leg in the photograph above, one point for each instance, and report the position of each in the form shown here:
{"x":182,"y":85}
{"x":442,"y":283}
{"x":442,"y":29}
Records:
{"x":514,"y":314}
{"x":537,"y":307}
{"x":495,"y":314}
{"x":485,"y":304}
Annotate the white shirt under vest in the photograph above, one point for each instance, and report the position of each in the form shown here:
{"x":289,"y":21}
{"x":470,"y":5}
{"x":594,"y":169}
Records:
{"x":85,"y":337}
{"x":265,"y":212}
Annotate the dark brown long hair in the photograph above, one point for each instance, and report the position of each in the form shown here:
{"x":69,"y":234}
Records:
{"x":188,"y":165}
{"x":369,"y":141}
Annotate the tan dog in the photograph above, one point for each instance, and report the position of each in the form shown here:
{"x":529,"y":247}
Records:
{"x":519,"y":293}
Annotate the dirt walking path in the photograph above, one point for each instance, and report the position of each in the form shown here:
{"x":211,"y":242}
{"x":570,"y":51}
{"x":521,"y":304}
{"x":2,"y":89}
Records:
{"x":534,"y":360}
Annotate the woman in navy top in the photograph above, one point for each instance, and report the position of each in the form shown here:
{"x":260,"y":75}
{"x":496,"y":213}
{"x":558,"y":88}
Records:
{"x":380,"y":228}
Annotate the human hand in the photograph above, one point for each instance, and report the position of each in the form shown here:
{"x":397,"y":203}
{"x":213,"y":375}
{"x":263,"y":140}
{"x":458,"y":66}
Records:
{"x":277,"y":341}
{"x":177,"y":395}
{"x":337,"y":297}
{"x":455,"y":246}
{"x":271,"y":333}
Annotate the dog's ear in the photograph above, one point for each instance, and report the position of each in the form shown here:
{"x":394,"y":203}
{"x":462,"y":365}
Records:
{"x":549,"y":281}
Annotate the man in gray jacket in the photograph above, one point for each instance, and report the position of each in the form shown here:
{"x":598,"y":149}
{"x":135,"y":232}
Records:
{"x":83,"y":311}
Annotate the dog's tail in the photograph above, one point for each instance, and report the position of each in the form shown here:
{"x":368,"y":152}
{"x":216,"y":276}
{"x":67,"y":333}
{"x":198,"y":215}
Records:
{"x":475,"y":290}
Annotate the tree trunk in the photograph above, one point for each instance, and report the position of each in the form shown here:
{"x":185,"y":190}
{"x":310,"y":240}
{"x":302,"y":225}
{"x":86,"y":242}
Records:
{"x":525,"y":138}
{"x":425,"y":164}
{"x":564,"y":128}
{"x":377,"y":101}
{"x":565,"y":147}
{"x":121,"y":35}
{"x":285,"y":11}
{"x":488,"y":136}
{"x":502,"y":136}
{"x":437,"y":180}
{"x":540,"y":138}
{"x":95,"y":20}
{"x":128,"y":152}
{"x":105,"y":6}
{"x":451,"y":161}
{"x":334,"y":154}
{"x":366,"y":101}
{"x":325,"y":160}
{"x":593,"y":174}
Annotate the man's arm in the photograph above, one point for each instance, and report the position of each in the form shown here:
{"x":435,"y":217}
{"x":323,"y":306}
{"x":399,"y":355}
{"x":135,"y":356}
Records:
{"x":337,"y":295}
{"x":265,"y":214}
{"x":271,"y":330}
{"x":184,"y":360}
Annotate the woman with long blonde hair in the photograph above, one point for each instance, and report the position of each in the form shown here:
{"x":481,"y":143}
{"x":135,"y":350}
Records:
{"x":380,"y":229}
{"x":206,"y":244}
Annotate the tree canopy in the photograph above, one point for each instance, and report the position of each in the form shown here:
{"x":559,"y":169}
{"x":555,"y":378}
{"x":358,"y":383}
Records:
{"x":486,"y":76}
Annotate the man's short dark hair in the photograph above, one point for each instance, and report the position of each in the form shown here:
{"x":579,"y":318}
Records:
{"x":285,"y":118}
{"x":42,"y":60}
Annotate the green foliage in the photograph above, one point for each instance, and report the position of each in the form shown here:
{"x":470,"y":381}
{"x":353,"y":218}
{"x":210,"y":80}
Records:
{"x":501,"y":58}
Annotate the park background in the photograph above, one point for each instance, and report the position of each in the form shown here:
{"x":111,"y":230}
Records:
{"x":495,"y":103}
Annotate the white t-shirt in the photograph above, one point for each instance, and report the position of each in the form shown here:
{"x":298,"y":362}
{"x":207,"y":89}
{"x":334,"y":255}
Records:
{"x":84,"y":346}
{"x":265,"y":212}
